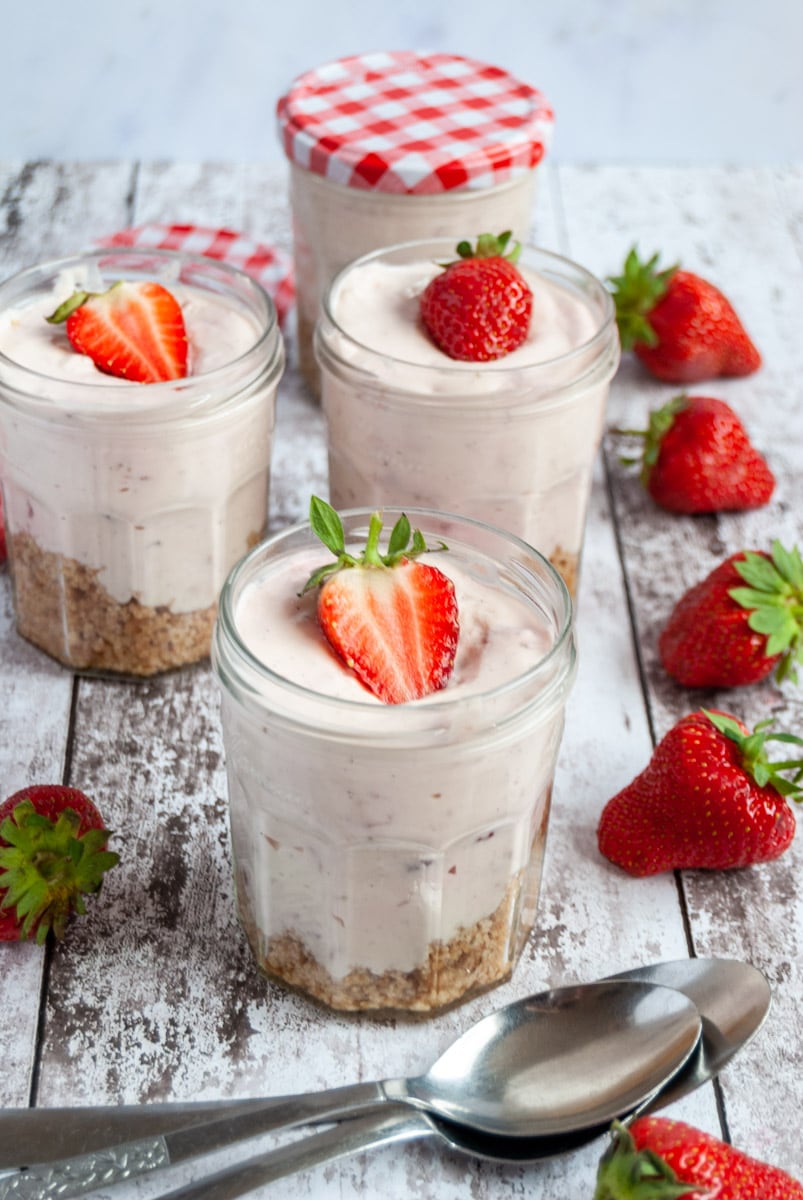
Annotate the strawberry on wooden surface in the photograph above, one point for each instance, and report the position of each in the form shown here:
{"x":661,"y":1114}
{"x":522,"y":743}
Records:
{"x":657,"y":1158}
{"x":708,"y":798}
{"x":678,"y":324}
{"x":391,"y":619}
{"x":134,"y":331}
{"x":698,"y":458}
{"x":52,"y":853}
{"x":480,"y":307}
{"x":740,"y":623}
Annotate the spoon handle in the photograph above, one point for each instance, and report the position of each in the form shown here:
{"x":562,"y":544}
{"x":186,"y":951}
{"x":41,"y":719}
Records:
{"x":71,"y":1178}
{"x":349,"y":1137}
{"x":111,"y":1161}
{"x":50,"y":1135}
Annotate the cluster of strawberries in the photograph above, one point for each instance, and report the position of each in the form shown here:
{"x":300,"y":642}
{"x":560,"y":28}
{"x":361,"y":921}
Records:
{"x":709,"y":797}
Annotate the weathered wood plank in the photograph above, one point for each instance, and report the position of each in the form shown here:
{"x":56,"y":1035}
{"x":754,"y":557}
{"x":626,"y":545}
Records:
{"x":49,"y":209}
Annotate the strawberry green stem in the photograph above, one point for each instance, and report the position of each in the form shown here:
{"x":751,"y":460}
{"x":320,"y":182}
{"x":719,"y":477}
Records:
{"x":76,"y":300}
{"x":626,"y":1173}
{"x":326,"y":525}
{"x":754,"y":756}
{"x":491,"y":245}
{"x":371,"y":556}
{"x":660,"y":422}
{"x":635,"y":294}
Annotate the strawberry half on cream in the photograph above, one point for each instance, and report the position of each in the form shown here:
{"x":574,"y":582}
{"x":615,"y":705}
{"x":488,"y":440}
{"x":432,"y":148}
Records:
{"x":135,"y":330}
{"x":391,"y":619}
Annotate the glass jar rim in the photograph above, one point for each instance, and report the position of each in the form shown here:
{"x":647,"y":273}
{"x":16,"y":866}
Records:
{"x":164,"y":396}
{"x":593,"y":347}
{"x":382,"y":718}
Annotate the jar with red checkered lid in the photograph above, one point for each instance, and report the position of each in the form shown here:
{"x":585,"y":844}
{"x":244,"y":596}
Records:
{"x":396,"y":146}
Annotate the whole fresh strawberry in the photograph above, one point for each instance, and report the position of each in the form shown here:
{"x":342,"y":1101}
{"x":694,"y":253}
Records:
{"x":740,"y":623}
{"x":660,"y":1159}
{"x":678,"y":324}
{"x":135,"y":330}
{"x":52,"y":853}
{"x":391,"y":619}
{"x":698,"y":458}
{"x":480,"y":307}
{"x":708,"y":798}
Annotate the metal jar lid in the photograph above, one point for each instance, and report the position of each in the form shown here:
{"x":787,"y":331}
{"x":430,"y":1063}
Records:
{"x":409,"y":123}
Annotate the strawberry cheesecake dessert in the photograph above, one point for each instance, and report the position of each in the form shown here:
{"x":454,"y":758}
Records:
{"x":472,"y":379}
{"x":137,"y":394}
{"x":392,"y":712}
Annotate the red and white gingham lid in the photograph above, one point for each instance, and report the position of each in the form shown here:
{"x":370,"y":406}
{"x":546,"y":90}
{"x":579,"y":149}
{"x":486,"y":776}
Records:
{"x":411,"y":123}
{"x":267,"y":264}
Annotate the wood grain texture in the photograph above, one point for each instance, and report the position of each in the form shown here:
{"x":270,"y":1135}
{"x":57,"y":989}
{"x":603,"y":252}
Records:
{"x":155,"y":995}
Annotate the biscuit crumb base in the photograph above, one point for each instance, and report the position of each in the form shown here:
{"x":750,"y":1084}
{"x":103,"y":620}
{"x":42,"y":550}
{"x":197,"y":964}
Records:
{"x":476,"y":958}
{"x":307,"y":362}
{"x":63,"y":609}
{"x":568,"y":565}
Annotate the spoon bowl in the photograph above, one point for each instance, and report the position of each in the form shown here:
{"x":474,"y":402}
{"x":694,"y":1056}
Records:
{"x":560,"y":1061}
{"x":733,"y":999}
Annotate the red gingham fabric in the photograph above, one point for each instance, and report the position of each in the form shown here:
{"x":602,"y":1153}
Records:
{"x":412,"y":123}
{"x":268,"y":266}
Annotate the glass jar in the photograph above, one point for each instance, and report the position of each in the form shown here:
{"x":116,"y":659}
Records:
{"x":511,"y":442}
{"x":389,"y":856}
{"x":397,"y":146}
{"x":126,"y":504}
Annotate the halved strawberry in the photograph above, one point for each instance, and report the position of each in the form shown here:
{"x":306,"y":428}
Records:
{"x":52,"y":853}
{"x":135,"y":330}
{"x":392,"y":620}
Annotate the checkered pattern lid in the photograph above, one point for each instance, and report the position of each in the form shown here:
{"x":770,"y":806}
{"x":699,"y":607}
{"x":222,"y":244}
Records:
{"x":265,"y":263}
{"x":405,"y":122}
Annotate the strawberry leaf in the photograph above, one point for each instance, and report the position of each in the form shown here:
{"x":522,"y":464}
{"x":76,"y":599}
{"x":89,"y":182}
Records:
{"x":774,"y":598}
{"x":635,"y":293}
{"x":760,"y":572}
{"x":326,"y":524}
{"x":68,"y":306}
{"x":752,"y":748}
{"x":789,"y":564}
{"x":46,"y":866}
{"x":490,"y":245}
{"x":399,"y":537}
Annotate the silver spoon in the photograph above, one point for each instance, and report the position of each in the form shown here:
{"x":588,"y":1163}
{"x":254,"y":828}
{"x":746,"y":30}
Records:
{"x":560,"y":1061}
{"x":733,"y":999}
